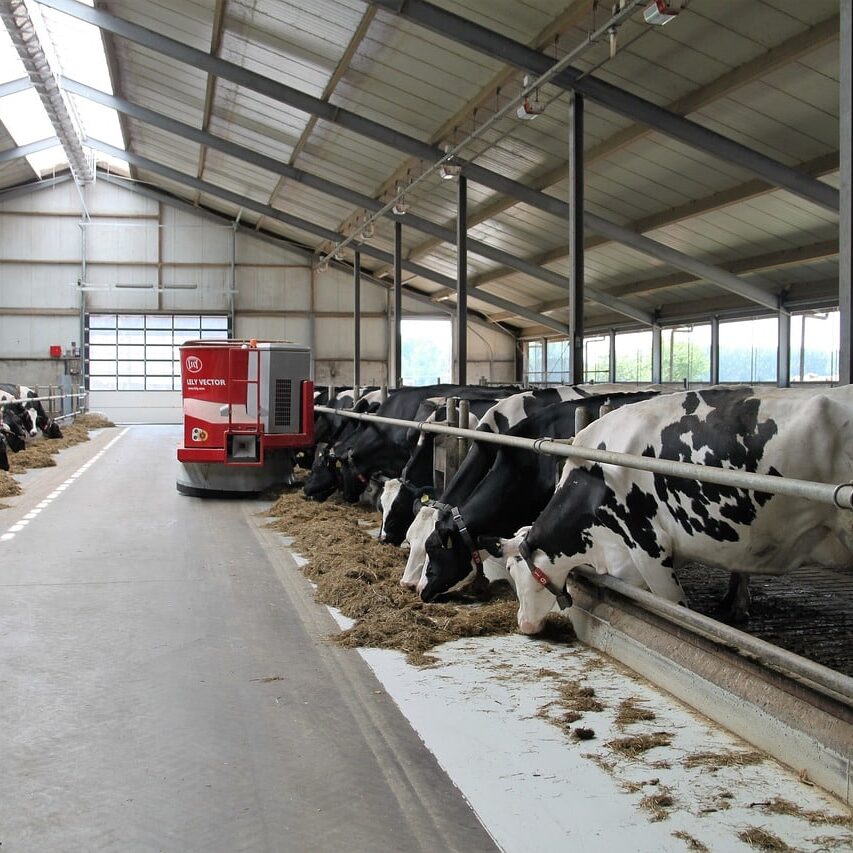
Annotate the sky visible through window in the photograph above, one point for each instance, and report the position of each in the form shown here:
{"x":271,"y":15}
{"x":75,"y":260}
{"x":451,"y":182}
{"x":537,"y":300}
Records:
{"x":75,"y":50}
{"x":427,"y":351}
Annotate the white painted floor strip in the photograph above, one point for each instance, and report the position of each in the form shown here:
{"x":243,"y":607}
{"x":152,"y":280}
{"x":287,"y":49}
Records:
{"x":18,"y":526}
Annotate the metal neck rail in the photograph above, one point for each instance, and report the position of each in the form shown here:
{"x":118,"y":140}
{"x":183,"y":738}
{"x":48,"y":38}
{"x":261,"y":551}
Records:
{"x":52,"y":397}
{"x":838,"y":495}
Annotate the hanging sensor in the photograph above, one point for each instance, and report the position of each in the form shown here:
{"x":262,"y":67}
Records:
{"x":529,"y":109}
{"x":661,"y":12}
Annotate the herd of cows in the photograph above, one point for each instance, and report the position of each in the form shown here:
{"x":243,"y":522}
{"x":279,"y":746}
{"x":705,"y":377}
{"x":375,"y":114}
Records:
{"x":517,"y":510}
{"x":21,"y":421}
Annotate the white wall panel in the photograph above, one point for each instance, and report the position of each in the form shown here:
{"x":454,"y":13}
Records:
{"x":274,"y":289}
{"x":39,"y":286}
{"x":134,"y":240}
{"x":39,"y":238}
{"x":33,"y":336}
{"x":296,"y":329}
{"x":125,"y":246}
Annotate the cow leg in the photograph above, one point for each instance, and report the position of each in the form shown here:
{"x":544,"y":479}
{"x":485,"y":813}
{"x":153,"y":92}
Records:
{"x":660,"y":577}
{"x":735,"y":606}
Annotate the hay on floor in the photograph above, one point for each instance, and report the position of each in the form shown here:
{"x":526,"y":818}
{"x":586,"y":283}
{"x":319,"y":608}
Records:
{"x":360,"y":576}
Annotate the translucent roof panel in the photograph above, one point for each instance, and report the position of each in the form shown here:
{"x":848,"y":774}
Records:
{"x":74,"y":49}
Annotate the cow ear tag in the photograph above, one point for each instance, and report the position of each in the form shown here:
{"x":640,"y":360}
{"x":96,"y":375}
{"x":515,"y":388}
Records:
{"x":338,"y":464}
{"x":424,"y":499}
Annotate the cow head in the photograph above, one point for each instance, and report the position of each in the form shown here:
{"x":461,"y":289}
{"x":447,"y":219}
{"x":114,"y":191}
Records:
{"x":400,"y":503}
{"x":13,"y":430}
{"x":51,"y":429}
{"x":4,"y":458}
{"x":529,"y":571}
{"x":324,"y":477}
{"x":30,"y":420}
{"x":449,"y":559}
{"x":353,"y":481}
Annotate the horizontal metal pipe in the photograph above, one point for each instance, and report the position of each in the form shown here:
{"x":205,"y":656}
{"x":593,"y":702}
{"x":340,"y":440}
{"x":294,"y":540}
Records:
{"x":33,"y":399}
{"x":816,"y":674}
{"x":840,"y":495}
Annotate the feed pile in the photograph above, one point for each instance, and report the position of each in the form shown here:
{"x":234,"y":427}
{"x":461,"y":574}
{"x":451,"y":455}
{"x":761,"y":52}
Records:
{"x":40,"y":453}
{"x":360,"y":576}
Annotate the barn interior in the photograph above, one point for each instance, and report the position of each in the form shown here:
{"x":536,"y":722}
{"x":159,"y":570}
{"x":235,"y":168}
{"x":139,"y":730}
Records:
{"x":535,"y":193}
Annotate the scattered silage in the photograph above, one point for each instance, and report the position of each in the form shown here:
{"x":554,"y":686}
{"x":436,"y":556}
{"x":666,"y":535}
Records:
{"x":39,"y":452}
{"x":360,"y":576}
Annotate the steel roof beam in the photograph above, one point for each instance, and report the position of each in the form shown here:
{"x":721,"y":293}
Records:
{"x":29,"y":148}
{"x":292,"y":221}
{"x":491,"y":43}
{"x":768,"y":261}
{"x":12,"y":87}
{"x":822,"y":165}
{"x":401,"y":141}
{"x":779,"y":56}
{"x":336,"y":190}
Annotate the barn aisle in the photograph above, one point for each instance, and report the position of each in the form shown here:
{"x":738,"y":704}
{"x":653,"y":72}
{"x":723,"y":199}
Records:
{"x":166,"y":685}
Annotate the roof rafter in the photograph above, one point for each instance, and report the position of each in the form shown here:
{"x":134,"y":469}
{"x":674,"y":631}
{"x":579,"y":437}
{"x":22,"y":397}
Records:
{"x":776,"y":57}
{"x":568,"y":18}
{"x":216,"y":33}
{"x":638,"y":109}
{"x":756,"y":263}
{"x":328,"y":187}
{"x":403,"y":142}
{"x":341,"y":69}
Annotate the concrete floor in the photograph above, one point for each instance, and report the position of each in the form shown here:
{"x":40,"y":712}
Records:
{"x":166,"y":685}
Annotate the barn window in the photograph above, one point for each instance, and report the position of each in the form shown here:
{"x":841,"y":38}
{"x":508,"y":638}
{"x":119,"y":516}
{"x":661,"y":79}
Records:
{"x":634,"y":357}
{"x":559,"y":357}
{"x":139,"y":352}
{"x":596,"y":358}
{"x":815,"y":338}
{"x":748,"y":350}
{"x":535,"y":361}
{"x":686,"y":353}
{"x":427,"y":351}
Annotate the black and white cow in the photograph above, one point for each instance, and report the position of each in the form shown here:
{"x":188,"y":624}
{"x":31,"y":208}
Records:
{"x":402,"y":496}
{"x":514,"y":491}
{"x":31,"y":413}
{"x":643,"y":527}
{"x":336,"y":432}
{"x":381,"y":449}
{"x":12,"y":429}
{"x":504,"y":415}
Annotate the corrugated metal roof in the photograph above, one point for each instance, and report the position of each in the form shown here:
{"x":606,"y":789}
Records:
{"x":713,"y":61}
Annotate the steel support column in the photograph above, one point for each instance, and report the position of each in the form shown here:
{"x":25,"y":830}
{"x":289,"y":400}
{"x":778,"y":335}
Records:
{"x":462,"y":281}
{"x":656,"y":354}
{"x":356,"y":315}
{"x":611,"y":364}
{"x":715,"y":350}
{"x":783,"y":350}
{"x":397,"y":337}
{"x":845,"y":279}
{"x":576,"y":256}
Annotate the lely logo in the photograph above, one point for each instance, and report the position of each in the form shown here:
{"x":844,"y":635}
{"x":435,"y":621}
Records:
{"x":193,"y":364}
{"x":199,"y":434}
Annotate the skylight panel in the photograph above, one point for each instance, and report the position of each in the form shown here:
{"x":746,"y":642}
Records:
{"x":76,"y":50}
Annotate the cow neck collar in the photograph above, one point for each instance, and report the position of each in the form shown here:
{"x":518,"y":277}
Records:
{"x":467,"y":539}
{"x":564,"y":600}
